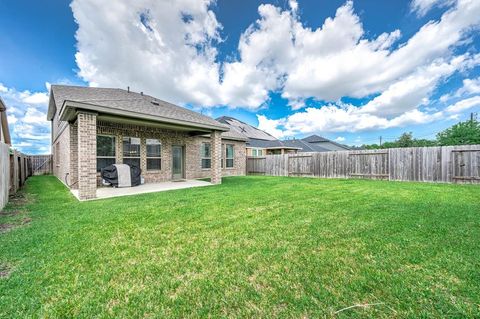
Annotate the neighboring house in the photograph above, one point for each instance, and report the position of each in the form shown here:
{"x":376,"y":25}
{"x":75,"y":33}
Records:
{"x":259,"y":143}
{"x":315,"y":143}
{"x":96,"y":127}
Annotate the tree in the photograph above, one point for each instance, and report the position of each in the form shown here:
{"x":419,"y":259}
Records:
{"x":405,"y":140}
{"x":463,"y":133}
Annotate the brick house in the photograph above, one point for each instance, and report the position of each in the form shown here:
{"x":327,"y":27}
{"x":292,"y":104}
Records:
{"x":96,"y":127}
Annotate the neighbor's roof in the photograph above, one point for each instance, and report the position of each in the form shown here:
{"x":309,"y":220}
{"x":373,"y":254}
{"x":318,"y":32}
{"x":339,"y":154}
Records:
{"x":319,"y":139}
{"x":254,"y":136}
{"x":127,"y":103}
{"x":265,"y":143}
{"x":245,"y":129}
{"x":304,"y":146}
{"x":315,"y":139}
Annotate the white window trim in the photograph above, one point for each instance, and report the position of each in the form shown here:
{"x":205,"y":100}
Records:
{"x":256,"y":149}
{"x":230,"y":158}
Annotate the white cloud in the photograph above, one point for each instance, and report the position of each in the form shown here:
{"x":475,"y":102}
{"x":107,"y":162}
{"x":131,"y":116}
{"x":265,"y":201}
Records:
{"x":271,"y":126}
{"x":175,"y":58}
{"x":470,"y":86}
{"x":35,"y":98}
{"x":421,"y":7}
{"x":464,"y":105}
{"x":348,"y":118}
{"x":27,"y":119}
{"x":411,"y":92}
{"x":340,"y":139}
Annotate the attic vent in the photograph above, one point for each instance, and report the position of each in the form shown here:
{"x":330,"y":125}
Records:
{"x":155,"y":103}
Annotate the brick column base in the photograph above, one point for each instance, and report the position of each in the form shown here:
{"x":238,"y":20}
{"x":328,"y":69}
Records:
{"x":216,"y":168}
{"x":87,"y":155}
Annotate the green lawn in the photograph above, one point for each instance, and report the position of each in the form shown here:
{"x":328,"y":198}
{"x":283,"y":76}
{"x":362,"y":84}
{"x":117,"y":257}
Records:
{"x":252,"y":247}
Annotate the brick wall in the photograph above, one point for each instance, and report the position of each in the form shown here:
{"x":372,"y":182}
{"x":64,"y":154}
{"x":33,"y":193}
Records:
{"x":61,"y":155}
{"x":168,"y":138}
{"x":87,"y":155}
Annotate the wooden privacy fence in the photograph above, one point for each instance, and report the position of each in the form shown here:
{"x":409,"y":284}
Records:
{"x":4,"y":174}
{"x":20,"y":170}
{"x":445,"y":164}
{"x":41,"y":164}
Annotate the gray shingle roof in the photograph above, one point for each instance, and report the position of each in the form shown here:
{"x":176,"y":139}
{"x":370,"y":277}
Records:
{"x":245,"y":129}
{"x":264,"y":143}
{"x":304,"y":146}
{"x":119,"y":99}
{"x":315,"y":139}
{"x":319,"y":140}
{"x":254,"y":136}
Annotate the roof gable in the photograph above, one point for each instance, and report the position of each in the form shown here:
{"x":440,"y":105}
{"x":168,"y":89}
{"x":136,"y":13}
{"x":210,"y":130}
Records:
{"x":113,"y":99}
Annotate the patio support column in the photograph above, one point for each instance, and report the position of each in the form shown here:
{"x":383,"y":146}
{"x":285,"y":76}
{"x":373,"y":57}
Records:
{"x":87,"y":155}
{"x":216,"y":169}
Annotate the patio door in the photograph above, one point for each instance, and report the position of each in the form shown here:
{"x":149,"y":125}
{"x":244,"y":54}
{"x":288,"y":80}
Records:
{"x":178,"y":162}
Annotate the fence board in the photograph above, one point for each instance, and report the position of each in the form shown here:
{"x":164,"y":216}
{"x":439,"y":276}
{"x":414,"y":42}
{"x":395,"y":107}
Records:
{"x":4,"y":174}
{"x":41,"y":164}
{"x":447,"y":164}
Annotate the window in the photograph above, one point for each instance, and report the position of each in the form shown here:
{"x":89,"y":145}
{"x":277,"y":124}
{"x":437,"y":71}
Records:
{"x":131,"y":151}
{"x":105,"y":151}
{"x":229,"y":155}
{"x":257,"y":152}
{"x":154,"y":154}
{"x":206,"y":155}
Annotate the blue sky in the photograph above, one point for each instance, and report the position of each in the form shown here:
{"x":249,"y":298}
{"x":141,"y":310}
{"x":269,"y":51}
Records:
{"x":348,"y":70}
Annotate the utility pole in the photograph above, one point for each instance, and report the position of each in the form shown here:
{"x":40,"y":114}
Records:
{"x":380,"y":141}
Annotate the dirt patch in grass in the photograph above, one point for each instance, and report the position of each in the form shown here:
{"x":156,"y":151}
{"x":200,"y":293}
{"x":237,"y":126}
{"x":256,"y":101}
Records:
{"x":14,"y":212}
{"x":4,"y":271}
{"x":19,"y":199}
{"x":8,"y":226}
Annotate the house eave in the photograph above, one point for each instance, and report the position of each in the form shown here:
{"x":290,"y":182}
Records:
{"x":70,"y":109}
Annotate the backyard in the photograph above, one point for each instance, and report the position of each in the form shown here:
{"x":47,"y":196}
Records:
{"x":252,"y":247}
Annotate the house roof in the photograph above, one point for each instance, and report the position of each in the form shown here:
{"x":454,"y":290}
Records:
{"x":254,"y":136}
{"x":252,"y":142}
{"x":315,"y":139}
{"x":4,"y":123}
{"x":245,"y":129}
{"x":305,"y":146}
{"x":127,"y":103}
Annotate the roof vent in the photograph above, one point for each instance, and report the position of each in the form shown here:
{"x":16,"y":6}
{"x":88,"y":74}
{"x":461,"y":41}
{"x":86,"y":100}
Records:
{"x":128,"y":89}
{"x":155,"y":103}
{"x":141,"y":93}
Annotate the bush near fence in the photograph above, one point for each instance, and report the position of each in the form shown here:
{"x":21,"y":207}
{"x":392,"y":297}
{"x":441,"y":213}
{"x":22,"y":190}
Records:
{"x":446,"y":164}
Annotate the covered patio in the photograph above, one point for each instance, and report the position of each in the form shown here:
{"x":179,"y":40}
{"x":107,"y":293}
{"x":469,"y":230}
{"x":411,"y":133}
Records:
{"x":110,"y":192}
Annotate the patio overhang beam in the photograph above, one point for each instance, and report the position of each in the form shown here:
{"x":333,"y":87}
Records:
{"x":70,"y":110}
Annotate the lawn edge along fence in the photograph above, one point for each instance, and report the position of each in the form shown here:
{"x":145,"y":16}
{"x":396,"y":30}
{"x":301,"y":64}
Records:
{"x":443,"y":164}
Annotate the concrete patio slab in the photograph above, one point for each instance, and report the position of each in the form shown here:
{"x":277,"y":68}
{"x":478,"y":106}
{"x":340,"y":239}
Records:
{"x":109,"y":192}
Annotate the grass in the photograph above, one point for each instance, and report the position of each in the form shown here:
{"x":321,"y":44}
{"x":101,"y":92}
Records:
{"x":252,"y":247}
